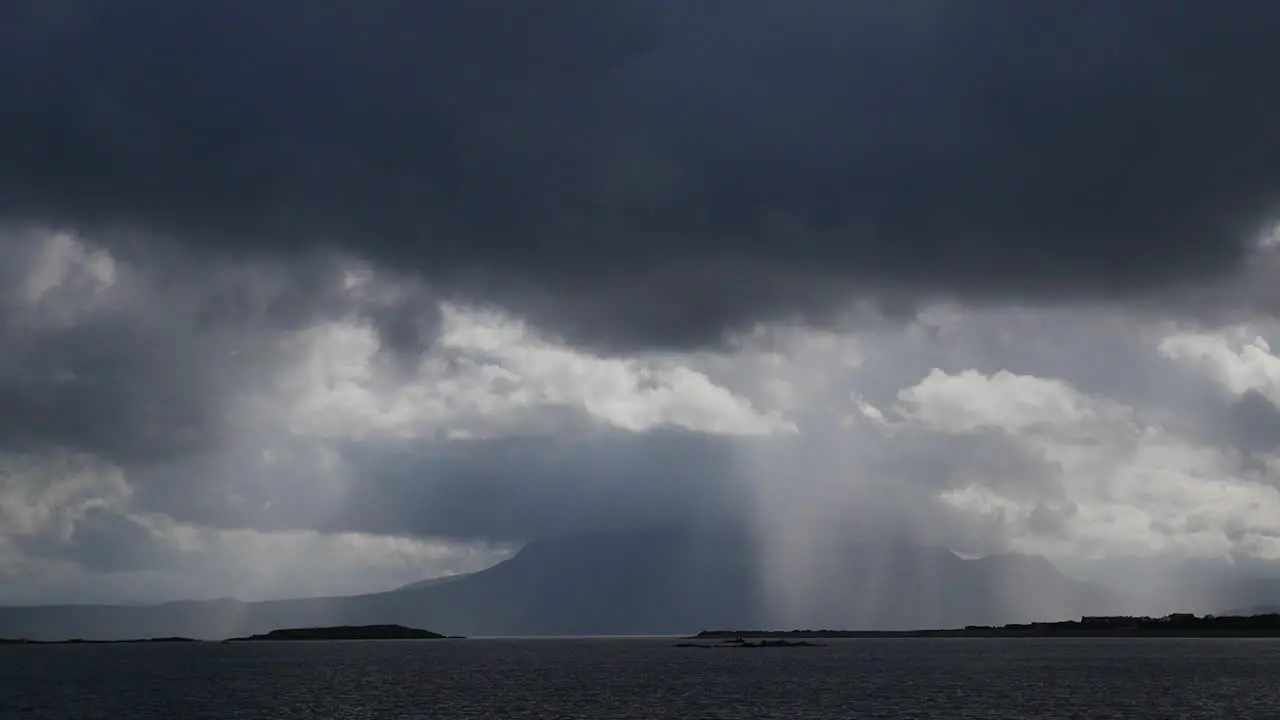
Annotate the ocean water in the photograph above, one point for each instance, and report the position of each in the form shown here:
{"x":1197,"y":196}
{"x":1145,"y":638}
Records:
{"x":599,"y":679}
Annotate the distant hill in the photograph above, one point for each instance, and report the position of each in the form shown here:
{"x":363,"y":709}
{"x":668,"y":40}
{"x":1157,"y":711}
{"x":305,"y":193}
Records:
{"x":435,"y":581}
{"x":633,"y":583}
{"x":1255,"y":610}
{"x":1256,"y":596}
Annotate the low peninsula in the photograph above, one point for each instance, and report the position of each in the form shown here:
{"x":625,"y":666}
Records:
{"x":78,"y":641}
{"x":344,"y":632}
{"x":1179,"y":625}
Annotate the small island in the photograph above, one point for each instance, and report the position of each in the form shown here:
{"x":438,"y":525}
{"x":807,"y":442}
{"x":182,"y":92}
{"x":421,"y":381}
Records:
{"x":737,"y":642}
{"x":344,"y":632}
{"x":1185,"y":625}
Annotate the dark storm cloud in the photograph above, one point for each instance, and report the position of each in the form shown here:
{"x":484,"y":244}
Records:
{"x":515,"y":489}
{"x":518,"y":488}
{"x":652,"y":172}
{"x":126,"y":393}
{"x":499,"y":489}
{"x":986,"y":458}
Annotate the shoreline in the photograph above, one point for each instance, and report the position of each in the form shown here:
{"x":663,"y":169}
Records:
{"x":338,"y":633}
{"x":80,"y":641}
{"x":996,"y":634}
{"x":1182,"y":625}
{"x":1172,"y":626}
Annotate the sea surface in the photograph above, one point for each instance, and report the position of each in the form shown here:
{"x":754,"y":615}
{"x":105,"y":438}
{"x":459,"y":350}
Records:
{"x":599,"y":679}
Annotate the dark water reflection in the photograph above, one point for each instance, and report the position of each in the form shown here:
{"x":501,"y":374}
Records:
{"x":601,"y":679}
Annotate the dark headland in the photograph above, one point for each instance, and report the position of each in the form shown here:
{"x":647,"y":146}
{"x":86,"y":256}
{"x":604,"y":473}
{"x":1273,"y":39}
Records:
{"x":1173,"y":626}
{"x":344,"y":632}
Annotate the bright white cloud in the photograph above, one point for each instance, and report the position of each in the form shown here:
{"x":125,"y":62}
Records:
{"x":1128,"y":487}
{"x":46,"y":494}
{"x":489,"y":375}
{"x":1238,"y":357}
{"x":972,"y":401}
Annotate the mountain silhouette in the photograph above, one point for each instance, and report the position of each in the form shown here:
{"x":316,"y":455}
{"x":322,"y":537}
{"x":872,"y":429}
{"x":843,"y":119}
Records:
{"x":636,"y":583}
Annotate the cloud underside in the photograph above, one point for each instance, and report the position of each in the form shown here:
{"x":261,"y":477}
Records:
{"x":394,"y":287}
{"x":602,"y":169}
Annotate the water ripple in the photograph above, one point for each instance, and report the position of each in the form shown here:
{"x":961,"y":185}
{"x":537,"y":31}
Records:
{"x":606,"y":679}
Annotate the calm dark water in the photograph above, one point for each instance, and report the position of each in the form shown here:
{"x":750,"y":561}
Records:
{"x":602,"y":679}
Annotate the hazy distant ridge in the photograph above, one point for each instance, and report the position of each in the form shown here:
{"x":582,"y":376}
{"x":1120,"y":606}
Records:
{"x":633,"y":583}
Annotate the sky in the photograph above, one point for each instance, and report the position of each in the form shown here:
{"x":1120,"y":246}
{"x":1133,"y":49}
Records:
{"x":299,"y":302}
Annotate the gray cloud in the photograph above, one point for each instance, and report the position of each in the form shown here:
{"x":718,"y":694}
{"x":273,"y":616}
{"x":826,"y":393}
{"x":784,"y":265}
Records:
{"x":146,"y":363}
{"x":176,"y":379}
{"x":516,"y":489}
{"x":1254,"y":423}
{"x":502,"y":489}
{"x":110,"y":557}
{"x":105,"y":541}
{"x":374,"y":465}
{"x":654,"y":172}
